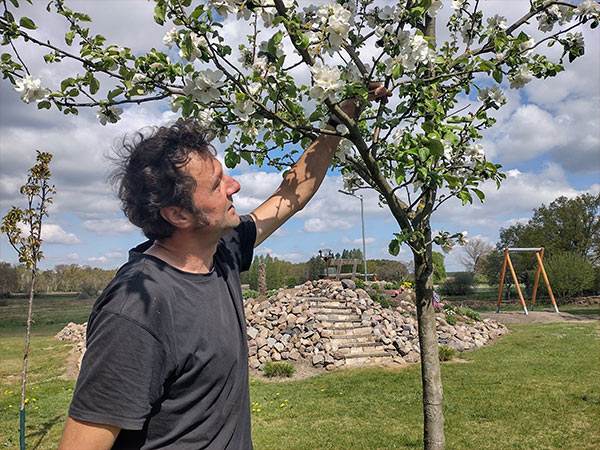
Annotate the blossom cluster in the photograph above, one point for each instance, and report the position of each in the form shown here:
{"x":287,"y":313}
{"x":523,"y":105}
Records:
{"x":31,"y":90}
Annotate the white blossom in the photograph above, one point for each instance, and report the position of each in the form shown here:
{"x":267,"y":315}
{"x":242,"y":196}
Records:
{"x":342,"y":129}
{"x":205,"y":86}
{"x":545,"y":22}
{"x":268,"y":10}
{"x":327,"y":82}
{"x":436,"y":5}
{"x":109,"y":114}
{"x":588,"y":7}
{"x":351,"y":182}
{"x":492,"y":96}
{"x":139,"y":78}
{"x":343,"y":150}
{"x":243,"y":110}
{"x":521,"y":78}
{"x":526,"y":47}
{"x":174,"y":104}
{"x":170,"y":37}
{"x":337,"y":20}
{"x":205,"y":117}
{"x":497,"y":21}
{"x":475,"y":151}
{"x":198,"y":42}
{"x":578,"y":39}
{"x":448,"y":149}
{"x":223,"y":7}
{"x":254,"y":88}
{"x":30,"y":89}
{"x":386,"y":13}
{"x":264,"y":47}
{"x":457,"y":4}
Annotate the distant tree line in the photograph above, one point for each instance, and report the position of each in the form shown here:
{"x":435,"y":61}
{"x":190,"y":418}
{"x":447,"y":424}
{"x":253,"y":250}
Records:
{"x":281,"y":273}
{"x":62,"y":278}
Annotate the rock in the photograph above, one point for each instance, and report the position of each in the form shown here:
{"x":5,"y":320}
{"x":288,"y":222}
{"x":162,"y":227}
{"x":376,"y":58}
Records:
{"x":252,"y":332}
{"x":348,"y":284}
{"x":318,"y":359}
{"x":271,"y":342}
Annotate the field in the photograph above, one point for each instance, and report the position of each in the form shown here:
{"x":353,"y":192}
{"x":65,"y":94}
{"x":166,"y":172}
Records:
{"x":535,"y":388}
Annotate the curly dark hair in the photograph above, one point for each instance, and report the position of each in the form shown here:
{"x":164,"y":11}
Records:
{"x":147,"y":176}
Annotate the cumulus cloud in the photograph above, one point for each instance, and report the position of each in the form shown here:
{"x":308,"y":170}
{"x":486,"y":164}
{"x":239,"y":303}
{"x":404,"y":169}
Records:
{"x":109,"y":227}
{"x":54,"y":234}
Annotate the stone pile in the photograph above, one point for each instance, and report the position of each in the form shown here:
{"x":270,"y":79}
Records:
{"x":330,"y":326}
{"x":310,"y":321}
{"x":75,"y":333}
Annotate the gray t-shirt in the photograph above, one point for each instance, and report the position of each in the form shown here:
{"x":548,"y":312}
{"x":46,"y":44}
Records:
{"x":167,"y":357}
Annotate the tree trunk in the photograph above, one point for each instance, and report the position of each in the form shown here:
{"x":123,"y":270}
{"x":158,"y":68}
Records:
{"x":25,"y":358}
{"x":433,"y":426}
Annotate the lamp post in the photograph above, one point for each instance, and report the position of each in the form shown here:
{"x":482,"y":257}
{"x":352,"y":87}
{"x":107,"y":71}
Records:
{"x":362,"y":219}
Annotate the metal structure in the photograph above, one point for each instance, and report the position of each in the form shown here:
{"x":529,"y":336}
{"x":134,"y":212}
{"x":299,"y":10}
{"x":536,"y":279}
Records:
{"x":539,"y":254}
{"x":362,"y":219}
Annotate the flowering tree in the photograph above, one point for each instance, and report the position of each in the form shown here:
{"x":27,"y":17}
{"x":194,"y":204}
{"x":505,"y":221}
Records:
{"x":278,"y":88}
{"x":23,"y":228}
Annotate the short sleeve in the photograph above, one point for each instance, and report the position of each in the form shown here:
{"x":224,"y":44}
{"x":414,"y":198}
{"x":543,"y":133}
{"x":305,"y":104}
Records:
{"x":123,"y":373}
{"x":240,"y":241}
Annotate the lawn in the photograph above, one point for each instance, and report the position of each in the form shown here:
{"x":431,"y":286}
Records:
{"x":535,"y":388}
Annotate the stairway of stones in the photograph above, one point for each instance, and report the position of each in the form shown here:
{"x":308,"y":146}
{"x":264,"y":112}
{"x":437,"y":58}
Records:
{"x":354,"y":340}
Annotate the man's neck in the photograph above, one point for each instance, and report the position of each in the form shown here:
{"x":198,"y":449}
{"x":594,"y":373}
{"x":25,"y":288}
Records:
{"x":185,"y":252}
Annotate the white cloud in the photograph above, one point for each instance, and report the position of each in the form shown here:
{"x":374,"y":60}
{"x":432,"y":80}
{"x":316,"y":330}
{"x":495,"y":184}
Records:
{"x":54,"y":234}
{"x":101,"y":259}
{"x":109,"y":227}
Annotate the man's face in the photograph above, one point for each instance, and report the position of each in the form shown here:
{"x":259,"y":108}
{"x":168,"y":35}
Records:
{"x":212,"y":198}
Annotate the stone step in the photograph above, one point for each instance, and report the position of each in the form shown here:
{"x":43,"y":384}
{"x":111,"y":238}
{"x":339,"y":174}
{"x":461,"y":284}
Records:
{"x":366,"y":359}
{"x":350,"y":331}
{"x":345,"y":339}
{"x":327,"y":310}
{"x":338,"y":317}
{"x":362,"y":348}
{"x":344,"y":324}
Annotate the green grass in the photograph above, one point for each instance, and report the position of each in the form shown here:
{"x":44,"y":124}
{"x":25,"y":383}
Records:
{"x":536,"y":388}
{"x":49,"y":314}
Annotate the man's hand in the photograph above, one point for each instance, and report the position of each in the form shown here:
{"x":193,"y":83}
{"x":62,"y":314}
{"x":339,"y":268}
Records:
{"x":376,"y":92}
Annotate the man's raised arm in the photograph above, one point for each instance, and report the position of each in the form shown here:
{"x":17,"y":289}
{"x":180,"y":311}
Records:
{"x":304,"y":178}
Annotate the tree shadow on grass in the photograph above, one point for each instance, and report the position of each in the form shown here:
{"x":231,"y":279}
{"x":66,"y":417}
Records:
{"x":43,"y":429}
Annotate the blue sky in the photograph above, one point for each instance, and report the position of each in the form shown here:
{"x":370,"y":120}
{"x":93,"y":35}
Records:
{"x":547,"y":138}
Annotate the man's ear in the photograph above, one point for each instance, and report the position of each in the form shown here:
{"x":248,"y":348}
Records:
{"x":178,"y":217}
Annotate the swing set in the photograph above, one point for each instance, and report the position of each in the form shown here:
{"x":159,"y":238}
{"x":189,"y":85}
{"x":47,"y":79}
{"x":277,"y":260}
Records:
{"x":539,"y":254}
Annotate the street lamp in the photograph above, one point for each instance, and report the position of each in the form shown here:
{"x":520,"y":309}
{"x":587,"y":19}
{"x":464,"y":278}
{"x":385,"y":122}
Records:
{"x":362,"y":218}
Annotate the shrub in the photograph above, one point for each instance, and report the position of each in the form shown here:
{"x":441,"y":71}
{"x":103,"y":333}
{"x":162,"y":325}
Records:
{"x":446,"y":353}
{"x":87,"y":291}
{"x":272,"y":292}
{"x":460,"y":284}
{"x":360,"y":283}
{"x":381,"y":299}
{"x":450,"y":318}
{"x":569,"y":274}
{"x":250,"y":293}
{"x":292,"y":282}
{"x":278,"y":369}
{"x":468,"y":312}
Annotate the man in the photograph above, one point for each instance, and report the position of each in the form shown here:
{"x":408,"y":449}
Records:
{"x":166,"y":360}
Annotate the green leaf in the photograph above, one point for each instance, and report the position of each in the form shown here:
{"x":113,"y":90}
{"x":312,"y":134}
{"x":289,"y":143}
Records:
{"x":44,"y":104}
{"x":423,"y":153}
{"x":394,"y":247}
{"x":69,"y":36}
{"x":435,"y":147}
{"x":232,"y":159}
{"x":479,"y":194}
{"x":159,"y":12}
{"x":427,"y":126}
{"x":303,"y":41}
{"x":247,"y":156}
{"x":94,"y":85}
{"x":465,"y":197}
{"x":497,"y":76}
{"x":273,"y":42}
{"x":115,"y":92}
{"x":6,"y":57}
{"x":397,"y":71}
{"x":26,"y":22}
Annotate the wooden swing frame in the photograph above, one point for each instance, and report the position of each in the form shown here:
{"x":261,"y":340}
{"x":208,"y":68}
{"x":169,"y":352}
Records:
{"x":539,"y":254}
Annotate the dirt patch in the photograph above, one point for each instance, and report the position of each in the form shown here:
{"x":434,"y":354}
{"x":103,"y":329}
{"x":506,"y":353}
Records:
{"x":539,"y":317}
{"x":71,"y":369}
